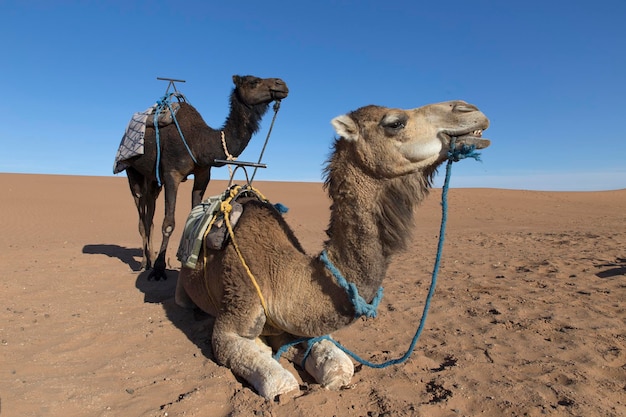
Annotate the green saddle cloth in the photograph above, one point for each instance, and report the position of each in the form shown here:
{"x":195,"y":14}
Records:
{"x":195,"y":227}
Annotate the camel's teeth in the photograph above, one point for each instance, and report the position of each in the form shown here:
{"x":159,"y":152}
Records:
{"x":478,"y":132}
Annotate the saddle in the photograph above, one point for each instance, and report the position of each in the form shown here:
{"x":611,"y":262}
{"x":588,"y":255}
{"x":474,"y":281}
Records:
{"x":132,"y":143}
{"x":206,"y":223}
{"x":166,"y":117}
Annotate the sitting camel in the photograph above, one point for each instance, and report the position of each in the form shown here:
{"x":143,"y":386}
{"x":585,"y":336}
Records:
{"x":249,"y":101}
{"x":381,"y":167}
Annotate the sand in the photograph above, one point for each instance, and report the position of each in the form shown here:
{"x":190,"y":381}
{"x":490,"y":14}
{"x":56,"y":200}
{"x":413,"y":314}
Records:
{"x":528,"y":318}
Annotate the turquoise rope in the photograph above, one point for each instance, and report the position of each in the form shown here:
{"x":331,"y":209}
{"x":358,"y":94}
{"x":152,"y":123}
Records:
{"x":361,"y":307}
{"x":165,"y":101}
{"x":180,"y":132}
{"x":454,"y":155}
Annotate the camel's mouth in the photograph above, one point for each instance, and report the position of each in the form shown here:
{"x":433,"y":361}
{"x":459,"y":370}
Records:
{"x":279,"y":94}
{"x":474,"y":138}
{"x":468,"y":138}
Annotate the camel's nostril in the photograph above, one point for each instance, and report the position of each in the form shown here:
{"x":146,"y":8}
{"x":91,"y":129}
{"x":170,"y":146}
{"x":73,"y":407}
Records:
{"x":464,"y":108}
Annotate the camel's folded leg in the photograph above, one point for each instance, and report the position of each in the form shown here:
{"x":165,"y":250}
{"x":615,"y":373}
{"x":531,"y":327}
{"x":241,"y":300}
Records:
{"x":181,"y":297}
{"x":326,"y":363}
{"x":329,"y":365}
{"x":252,"y":362}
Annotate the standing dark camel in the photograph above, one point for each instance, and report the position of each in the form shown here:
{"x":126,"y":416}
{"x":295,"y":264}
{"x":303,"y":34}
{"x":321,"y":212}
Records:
{"x":249,"y":101}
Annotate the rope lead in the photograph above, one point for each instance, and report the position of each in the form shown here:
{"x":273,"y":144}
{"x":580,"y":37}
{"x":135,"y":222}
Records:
{"x":454,"y":155}
{"x":160,"y":106}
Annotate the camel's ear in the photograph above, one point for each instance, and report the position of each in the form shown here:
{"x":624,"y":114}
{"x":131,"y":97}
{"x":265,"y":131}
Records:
{"x":345,"y":127}
{"x":236,"y":79}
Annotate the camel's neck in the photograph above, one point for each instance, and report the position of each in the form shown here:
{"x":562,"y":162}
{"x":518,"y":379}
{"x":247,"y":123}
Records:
{"x":242,"y":122}
{"x":370,"y":221}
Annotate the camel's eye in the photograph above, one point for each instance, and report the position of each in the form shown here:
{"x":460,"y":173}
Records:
{"x":392,"y":124}
{"x":395,"y":125}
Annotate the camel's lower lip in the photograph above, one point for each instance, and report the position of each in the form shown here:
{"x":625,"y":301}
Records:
{"x":469,"y":140}
{"x":473,"y":138}
{"x":279,"y":95}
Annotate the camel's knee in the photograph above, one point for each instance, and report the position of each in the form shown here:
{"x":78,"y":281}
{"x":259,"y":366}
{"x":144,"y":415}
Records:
{"x":253,"y":362}
{"x":263,"y":346}
{"x":329,"y":365}
{"x":168,"y":227}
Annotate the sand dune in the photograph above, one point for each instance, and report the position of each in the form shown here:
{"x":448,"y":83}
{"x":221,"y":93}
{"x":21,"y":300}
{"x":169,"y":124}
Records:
{"x":528,"y":318}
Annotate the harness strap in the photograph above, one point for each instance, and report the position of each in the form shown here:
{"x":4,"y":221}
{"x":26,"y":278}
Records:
{"x":226,"y":207}
{"x":161,"y":104}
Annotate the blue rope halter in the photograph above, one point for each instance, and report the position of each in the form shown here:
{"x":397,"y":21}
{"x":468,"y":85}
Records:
{"x":363,"y":308}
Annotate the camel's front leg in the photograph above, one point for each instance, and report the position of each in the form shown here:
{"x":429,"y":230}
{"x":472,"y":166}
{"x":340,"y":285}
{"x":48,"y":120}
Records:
{"x":329,"y":365}
{"x":238,"y":349}
{"x":201,"y":177}
{"x":171,"y":181}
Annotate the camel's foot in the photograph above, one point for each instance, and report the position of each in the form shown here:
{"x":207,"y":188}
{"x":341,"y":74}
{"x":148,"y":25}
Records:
{"x":275,"y":381}
{"x":329,"y":365}
{"x":270,"y":378}
{"x":157,"y":274}
{"x":252,"y":360}
{"x":145,"y":264}
{"x":158,"y":269}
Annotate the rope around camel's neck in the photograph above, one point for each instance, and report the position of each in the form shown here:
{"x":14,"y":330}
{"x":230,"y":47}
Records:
{"x":361,"y":244}
{"x":454,"y":155}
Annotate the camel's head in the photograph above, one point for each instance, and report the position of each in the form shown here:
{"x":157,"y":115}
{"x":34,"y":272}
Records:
{"x":393,"y":142}
{"x":254,"y":90}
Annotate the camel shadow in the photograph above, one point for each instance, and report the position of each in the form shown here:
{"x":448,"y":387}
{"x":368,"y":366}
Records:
{"x":126,"y":255}
{"x":617,"y":268}
{"x":157,"y":292}
{"x":196,"y":325}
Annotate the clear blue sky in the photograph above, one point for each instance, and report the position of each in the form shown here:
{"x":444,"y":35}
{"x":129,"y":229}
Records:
{"x":551,"y":76}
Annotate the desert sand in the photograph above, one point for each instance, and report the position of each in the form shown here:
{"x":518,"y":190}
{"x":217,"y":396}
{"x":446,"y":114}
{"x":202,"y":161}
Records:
{"x":528,"y":317}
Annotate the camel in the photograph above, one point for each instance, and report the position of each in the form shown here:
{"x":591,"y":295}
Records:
{"x":249,"y":101}
{"x":380,"y":169}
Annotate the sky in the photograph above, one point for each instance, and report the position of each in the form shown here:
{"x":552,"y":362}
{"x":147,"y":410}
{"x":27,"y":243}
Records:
{"x":550,"y":76}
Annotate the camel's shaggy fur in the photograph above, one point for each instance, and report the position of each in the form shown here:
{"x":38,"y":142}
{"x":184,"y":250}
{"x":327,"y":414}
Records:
{"x":380,"y":169}
{"x":249,"y":101}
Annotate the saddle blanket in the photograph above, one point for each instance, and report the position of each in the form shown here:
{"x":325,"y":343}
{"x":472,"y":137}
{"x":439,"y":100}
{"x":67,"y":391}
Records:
{"x":206,"y":214}
{"x":132,"y":143}
{"x":209,"y":214}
